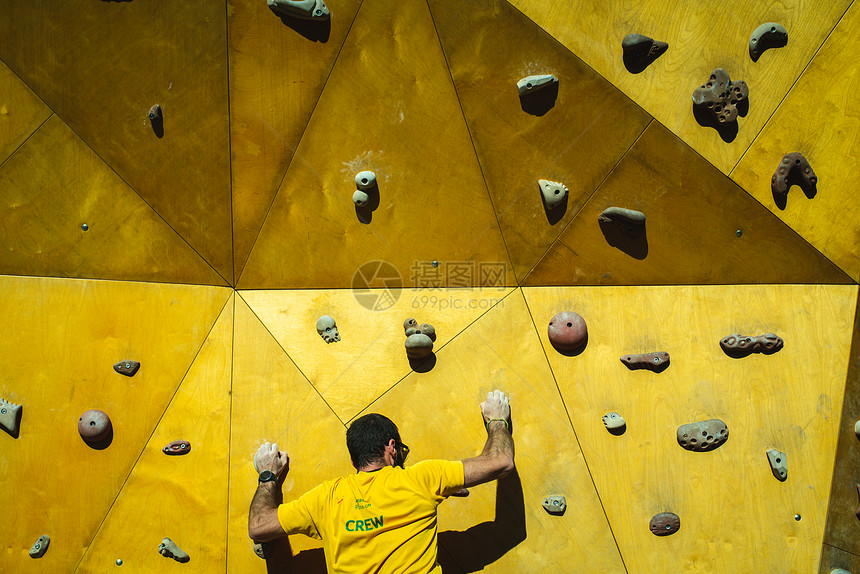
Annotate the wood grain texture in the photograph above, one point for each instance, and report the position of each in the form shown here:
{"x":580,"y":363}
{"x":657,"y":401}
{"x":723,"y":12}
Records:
{"x":389,"y":106}
{"x":52,"y":186}
{"x":502,"y":527}
{"x":735,"y":516}
{"x":702,"y":36}
{"x":57,"y":364}
{"x":179,"y":497}
{"x":277,"y":72}
{"x":21,"y":112}
{"x":833,"y":558}
{"x":101,"y":66}
{"x":693,"y":213}
{"x":817,"y":119}
{"x":370,"y":357}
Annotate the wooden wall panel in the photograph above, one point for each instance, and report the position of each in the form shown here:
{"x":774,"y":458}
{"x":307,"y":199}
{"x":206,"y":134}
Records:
{"x":389,"y":106}
{"x":833,"y":558}
{"x":277,"y":71}
{"x":183,"y":497}
{"x":735,"y":516}
{"x":101,"y":66}
{"x":693,"y":213}
{"x":818,"y":120}
{"x":702,"y":36}
{"x":63,"y":338}
{"x":21,"y":112}
{"x":370,"y":358}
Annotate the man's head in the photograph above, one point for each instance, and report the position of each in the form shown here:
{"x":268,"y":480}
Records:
{"x":370,"y":437}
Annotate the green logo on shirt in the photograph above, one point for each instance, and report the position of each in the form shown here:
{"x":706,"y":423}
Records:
{"x":364,"y":525}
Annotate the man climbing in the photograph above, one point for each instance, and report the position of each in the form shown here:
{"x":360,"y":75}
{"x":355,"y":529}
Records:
{"x":383,"y":518}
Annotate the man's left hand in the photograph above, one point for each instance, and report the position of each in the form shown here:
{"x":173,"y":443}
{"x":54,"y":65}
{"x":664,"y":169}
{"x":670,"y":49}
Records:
{"x":268,"y":457}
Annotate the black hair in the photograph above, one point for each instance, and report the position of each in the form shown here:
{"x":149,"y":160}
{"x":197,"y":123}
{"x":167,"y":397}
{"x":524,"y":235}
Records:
{"x":367,"y":438}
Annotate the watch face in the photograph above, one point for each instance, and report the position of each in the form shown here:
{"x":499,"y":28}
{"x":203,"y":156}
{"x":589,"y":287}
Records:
{"x":267,"y":476}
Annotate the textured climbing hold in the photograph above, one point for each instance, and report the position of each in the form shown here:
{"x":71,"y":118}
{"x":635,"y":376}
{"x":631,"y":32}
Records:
{"x":531,"y":84}
{"x":10,"y":418}
{"x":553,"y":192}
{"x":94,"y":425}
{"x":741,"y":345}
{"x":365,"y":180}
{"x":778,"y":464}
{"x":259,"y":550}
{"x":40,"y":546}
{"x":720,"y":96}
{"x":665,"y":523}
{"x":567,"y":331}
{"x":155,"y":113}
{"x":169,"y":549}
{"x":418,"y":346}
{"x":327,"y":329}
{"x":360,"y":198}
{"x":766,"y":36}
{"x":555,"y":504}
{"x":703,"y":435}
{"x":302,"y":9}
{"x":640,"y":51}
{"x":656,"y":361}
{"x":177,"y":448}
{"x":127,"y":368}
{"x":429,"y":330}
{"x":629,"y":221}
{"x":793,"y":169}
{"x":614,"y":422}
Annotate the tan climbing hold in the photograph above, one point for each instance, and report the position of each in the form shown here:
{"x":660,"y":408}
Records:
{"x":778,"y":464}
{"x":555,"y":504}
{"x":169,"y":549}
{"x":40,"y":546}
{"x":10,"y":417}
{"x":703,"y":435}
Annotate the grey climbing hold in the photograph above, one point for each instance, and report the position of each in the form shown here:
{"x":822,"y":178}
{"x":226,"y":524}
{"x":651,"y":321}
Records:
{"x":10,"y":418}
{"x":778,"y":464}
{"x":169,"y":549}
{"x":555,"y":504}
{"x":640,"y":51}
{"x":360,"y":198}
{"x":259,"y":550}
{"x":614,"y":422}
{"x":857,"y":429}
{"x":703,"y":435}
{"x":154,"y":113}
{"x":301,"y":9}
{"x":629,"y":221}
{"x":553,"y":193}
{"x":40,"y":546}
{"x":327,"y":329}
{"x":531,"y":84}
{"x":127,"y":367}
{"x":418,"y":346}
{"x":365,"y":180}
{"x":839,"y":571}
{"x":766,"y":36}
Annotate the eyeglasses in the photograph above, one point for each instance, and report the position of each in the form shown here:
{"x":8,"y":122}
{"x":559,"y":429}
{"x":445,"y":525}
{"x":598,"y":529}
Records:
{"x":404,"y":450}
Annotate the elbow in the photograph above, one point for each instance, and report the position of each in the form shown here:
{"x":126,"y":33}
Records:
{"x":505,"y":466}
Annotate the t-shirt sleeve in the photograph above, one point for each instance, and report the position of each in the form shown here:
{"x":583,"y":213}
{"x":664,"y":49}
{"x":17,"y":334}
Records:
{"x":296,"y":516}
{"x":438,"y":478}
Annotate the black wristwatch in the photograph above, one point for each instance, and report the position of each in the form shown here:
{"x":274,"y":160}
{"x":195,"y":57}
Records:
{"x":268,"y":476}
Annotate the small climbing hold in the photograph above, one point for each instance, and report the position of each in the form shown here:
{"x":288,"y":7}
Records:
{"x":857,"y":512}
{"x":665,"y":523}
{"x":793,"y":169}
{"x":177,"y":447}
{"x":327,"y":329}
{"x":259,"y":550}
{"x":418,"y":346}
{"x":839,"y":571}
{"x":629,"y":221}
{"x":429,"y":330}
{"x":531,"y":84}
{"x":301,"y":9}
{"x":555,"y":504}
{"x":720,"y":96}
{"x":154,"y":113}
{"x":365,"y":180}
{"x":127,"y":368}
{"x":857,"y":429}
{"x":553,"y":193}
{"x":656,"y":361}
{"x":766,"y":36}
{"x":778,"y":464}
{"x":10,"y":418}
{"x":741,"y":345}
{"x":169,"y":549}
{"x":703,"y":435}
{"x":567,"y":331}
{"x":615,"y":423}
{"x":640,"y":51}
{"x":94,"y":426}
{"x":360,"y":198}
{"x":40,"y":546}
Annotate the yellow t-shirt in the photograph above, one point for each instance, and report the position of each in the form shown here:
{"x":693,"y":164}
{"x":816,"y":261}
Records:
{"x":382,"y":522}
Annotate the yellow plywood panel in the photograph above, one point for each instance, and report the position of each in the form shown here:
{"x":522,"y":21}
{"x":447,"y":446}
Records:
{"x":21,"y":112}
{"x":818,"y":120}
{"x":52,"y":186}
{"x":63,"y":338}
{"x":101,"y":66}
{"x":277,"y":71}
{"x":735,"y":516}
{"x":179,"y":497}
{"x":693,"y":216}
{"x":577,"y":141}
{"x":273,"y":402}
{"x":502,"y":527}
{"x":370,"y":357}
{"x":389,"y":106}
{"x":702,"y":36}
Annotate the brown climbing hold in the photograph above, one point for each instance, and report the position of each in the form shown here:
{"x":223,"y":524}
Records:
{"x":741,"y":345}
{"x":629,"y":221}
{"x":703,"y":435}
{"x":155,"y":113}
{"x":778,"y":464}
{"x":793,"y":169}
{"x":10,"y":417}
{"x":720,"y":96}
{"x":766,"y":36}
{"x":127,"y":368}
{"x":640,"y":51}
{"x":567,"y":331}
{"x":665,"y":523}
{"x":555,"y":504}
{"x":656,"y":361}
{"x":94,"y":426}
{"x":177,"y":448}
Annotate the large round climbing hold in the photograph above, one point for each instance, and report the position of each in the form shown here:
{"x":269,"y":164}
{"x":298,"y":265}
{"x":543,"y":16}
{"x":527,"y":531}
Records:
{"x":94,"y":425}
{"x":567,"y":331}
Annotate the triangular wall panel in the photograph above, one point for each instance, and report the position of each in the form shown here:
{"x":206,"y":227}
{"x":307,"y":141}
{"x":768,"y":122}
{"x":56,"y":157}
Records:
{"x":21,"y":112}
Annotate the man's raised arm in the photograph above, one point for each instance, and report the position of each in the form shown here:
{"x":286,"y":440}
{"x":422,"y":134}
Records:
{"x":497,"y":458}
{"x":263,"y":524}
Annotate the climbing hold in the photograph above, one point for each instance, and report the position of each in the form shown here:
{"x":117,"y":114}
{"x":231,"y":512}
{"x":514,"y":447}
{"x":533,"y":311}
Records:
{"x":10,"y":418}
{"x":327,"y":329}
{"x":766,"y":36}
{"x":360,"y":198}
{"x":665,"y":523}
{"x":177,"y":447}
{"x":94,"y":426}
{"x":640,"y":51}
{"x":40,"y":546}
{"x":629,"y":221}
{"x":302,"y":9}
{"x":555,"y":504}
{"x":839,"y":571}
{"x":418,"y":346}
{"x":127,"y":368}
{"x":720,"y":96}
{"x":793,"y":169}
{"x":741,"y":346}
{"x":656,"y":361}
{"x":365,"y":180}
{"x":429,"y":330}
{"x":553,"y":193}
{"x":531,"y":84}
{"x":259,"y":550}
{"x":567,"y":331}
{"x":778,"y":464}
{"x":169,"y":549}
{"x":615,"y":423}
{"x":857,"y":512}
{"x":703,"y":435}
{"x":857,"y":429}
{"x":155,"y":113}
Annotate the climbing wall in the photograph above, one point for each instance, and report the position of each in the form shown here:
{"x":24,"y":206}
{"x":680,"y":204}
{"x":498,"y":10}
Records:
{"x":206,"y":244}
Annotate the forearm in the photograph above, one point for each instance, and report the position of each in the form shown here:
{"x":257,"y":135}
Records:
{"x":264,"y":509}
{"x":500,"y":443}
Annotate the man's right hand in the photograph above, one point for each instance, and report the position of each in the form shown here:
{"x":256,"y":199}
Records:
{"x":268,"y":457}
{"x":496,"y":407}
